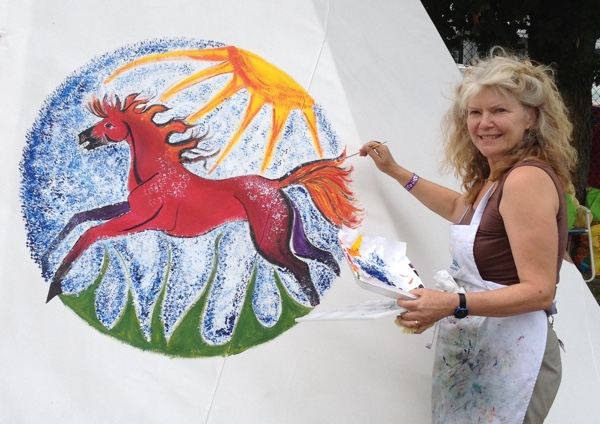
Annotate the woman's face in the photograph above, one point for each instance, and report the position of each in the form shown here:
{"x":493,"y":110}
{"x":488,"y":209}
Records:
{"x":497,"y":123}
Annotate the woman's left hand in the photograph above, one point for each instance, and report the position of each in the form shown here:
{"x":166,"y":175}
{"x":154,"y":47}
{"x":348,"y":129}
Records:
{"x":423,"y":312}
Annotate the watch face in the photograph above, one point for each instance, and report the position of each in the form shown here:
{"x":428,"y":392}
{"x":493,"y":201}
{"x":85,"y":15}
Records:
{"x":461,"y":312}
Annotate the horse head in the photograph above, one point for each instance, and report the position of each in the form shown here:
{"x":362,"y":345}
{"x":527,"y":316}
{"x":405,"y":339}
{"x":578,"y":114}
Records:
{"x":113,"y":127}
{"x":120,"y":121}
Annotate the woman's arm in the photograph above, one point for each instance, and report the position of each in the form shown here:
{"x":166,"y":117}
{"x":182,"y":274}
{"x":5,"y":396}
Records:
{"x":528,"y":207}
{"x":447,"y":203}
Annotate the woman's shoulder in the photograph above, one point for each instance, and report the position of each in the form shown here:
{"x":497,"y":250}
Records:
{"x":527,"y":176}
{"x":529,"y":173}
{"x":531,"y":167}
{"x":532,"y":162}
{"x":532,"y":178}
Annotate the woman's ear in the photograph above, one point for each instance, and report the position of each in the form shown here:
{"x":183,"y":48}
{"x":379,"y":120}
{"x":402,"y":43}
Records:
{"x":532,"y":113}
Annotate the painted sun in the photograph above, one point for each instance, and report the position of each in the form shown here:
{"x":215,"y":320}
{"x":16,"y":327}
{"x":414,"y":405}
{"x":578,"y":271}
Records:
{"x":266,"y":84}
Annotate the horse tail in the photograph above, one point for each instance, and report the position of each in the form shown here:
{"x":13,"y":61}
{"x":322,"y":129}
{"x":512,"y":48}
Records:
{"x":329,"y":187}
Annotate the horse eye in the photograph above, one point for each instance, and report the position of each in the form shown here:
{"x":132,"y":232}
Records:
{"x":109,"y":125}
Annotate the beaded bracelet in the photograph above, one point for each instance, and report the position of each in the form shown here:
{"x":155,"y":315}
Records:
{"x":413,"y":181}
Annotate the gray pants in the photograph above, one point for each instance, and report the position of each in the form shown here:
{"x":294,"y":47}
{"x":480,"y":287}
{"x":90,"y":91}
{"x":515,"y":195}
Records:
{"x":547,"y":382}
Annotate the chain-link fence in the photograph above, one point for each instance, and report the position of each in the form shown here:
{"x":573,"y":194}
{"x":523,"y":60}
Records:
{"x":465,"y":55}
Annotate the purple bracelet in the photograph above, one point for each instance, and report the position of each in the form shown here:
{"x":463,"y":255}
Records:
{"x":413,"y":181}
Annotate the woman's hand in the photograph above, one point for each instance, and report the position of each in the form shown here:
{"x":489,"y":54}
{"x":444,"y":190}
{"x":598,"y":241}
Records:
{"x":381,"y":156}
{"x":429,"y":307}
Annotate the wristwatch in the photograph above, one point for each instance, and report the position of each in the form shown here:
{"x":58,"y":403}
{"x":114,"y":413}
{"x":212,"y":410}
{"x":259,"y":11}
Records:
{"x":461,"y":311}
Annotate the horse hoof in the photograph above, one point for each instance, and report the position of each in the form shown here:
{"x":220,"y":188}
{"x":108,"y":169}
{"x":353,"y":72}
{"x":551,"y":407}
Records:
{"x":55,"y":290}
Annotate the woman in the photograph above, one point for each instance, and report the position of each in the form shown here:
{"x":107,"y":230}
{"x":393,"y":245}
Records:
{"x":508,"y":138}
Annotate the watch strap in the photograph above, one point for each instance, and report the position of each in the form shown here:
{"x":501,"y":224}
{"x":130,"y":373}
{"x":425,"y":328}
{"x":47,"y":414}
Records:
{"x":463,"y":301}
{"x":461,"y":311}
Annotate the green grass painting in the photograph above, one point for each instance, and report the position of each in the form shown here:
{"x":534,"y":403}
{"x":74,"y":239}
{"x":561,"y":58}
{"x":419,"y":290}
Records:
{"x":186,"y":340}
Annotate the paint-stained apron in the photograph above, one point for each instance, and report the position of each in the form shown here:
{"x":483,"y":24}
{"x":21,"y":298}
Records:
{"x":485,"y":368}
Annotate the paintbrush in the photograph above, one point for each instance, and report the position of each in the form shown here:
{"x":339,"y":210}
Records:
{"x":354,"y":154}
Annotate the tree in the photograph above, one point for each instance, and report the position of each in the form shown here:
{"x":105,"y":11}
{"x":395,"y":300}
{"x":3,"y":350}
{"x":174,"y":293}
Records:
{"x":555,"y":32}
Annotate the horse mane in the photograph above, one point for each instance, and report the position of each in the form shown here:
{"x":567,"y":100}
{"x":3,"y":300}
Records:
{"x":133,"y":102}
{"x":136,"y":104}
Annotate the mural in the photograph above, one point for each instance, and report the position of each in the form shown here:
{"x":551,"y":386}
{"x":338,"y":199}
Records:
{"x":185,"y":197}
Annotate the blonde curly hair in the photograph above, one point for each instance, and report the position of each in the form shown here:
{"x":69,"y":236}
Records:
{"x":533,"y":86}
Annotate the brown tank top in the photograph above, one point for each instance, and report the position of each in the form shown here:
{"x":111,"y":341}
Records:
{"x":491,"y":250}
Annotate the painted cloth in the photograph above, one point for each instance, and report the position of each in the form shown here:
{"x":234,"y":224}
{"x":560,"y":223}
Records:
{"x":485,"y":368}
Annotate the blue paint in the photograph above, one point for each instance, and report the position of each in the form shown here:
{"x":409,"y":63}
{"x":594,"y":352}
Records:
{"x":58,"y":179}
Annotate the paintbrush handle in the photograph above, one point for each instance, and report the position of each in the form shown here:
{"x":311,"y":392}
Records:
{"x":354,"y":154}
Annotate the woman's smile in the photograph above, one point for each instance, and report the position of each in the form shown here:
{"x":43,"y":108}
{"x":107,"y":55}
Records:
{"x":497,"y":123}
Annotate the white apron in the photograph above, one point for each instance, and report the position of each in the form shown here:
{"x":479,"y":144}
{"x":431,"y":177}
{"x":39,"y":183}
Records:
{"x":485,"y":369}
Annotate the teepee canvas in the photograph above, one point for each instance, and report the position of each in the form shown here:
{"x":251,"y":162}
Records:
{"x":142,"y":290}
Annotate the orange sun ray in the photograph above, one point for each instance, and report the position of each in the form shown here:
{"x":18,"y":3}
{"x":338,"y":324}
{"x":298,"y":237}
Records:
{"x":266,"y":85}
{"x":278,"y":122}
{"x":220,"y":69}
{"x":215,"y":55}
{"x":311,"y":121}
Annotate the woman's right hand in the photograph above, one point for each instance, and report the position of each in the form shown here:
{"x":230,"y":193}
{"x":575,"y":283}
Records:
{"x":445,"y":202}
{"x":381,"y":156}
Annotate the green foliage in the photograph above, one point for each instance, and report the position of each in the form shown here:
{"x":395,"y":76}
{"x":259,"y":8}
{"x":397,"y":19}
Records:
{"x":186,"y":340}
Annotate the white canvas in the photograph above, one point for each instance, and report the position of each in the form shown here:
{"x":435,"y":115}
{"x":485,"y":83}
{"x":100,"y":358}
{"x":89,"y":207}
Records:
{"x":381,"y":72}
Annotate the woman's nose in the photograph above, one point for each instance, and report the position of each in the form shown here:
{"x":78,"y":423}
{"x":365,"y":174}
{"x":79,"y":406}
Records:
{"x":486,"y":120}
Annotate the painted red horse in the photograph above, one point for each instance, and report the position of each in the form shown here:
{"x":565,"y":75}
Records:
{"x":164,"y":195}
